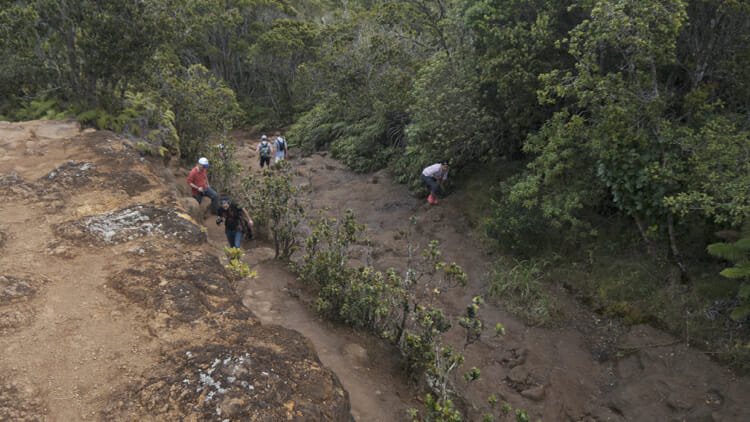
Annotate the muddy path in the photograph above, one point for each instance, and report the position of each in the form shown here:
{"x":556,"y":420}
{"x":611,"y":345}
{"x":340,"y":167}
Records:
{"x":368,"y":369}
{"x":588,"y":368}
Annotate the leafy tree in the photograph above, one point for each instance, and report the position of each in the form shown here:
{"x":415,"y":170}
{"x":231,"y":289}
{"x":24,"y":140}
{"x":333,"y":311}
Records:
{"x":448,"y":120}
{"x":96,"y":48}
{"x":273,"y":201}
{"x":278,"y":53}
{"x":220,"y":35}
{"x":515,"y":42}
{"x":360,"y":85}
{"x":204,"y":108}
{"x":22,"y":71}
{"x":618,"y":139}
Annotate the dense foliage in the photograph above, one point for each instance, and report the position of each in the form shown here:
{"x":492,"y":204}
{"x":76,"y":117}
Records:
{"x":632,"y":114}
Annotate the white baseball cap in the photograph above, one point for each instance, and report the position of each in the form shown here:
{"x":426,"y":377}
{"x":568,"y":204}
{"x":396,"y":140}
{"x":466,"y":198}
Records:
{"x":203,"y":161}
{"x":263,"y":137}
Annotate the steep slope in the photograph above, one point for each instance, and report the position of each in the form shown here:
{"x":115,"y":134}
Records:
{"x":588,"y":369}
{"x":114,"y":307}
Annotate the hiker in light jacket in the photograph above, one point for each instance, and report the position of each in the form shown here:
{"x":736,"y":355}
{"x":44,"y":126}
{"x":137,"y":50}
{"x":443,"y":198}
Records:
{"x":279,"y":144}
{"x":435,"y":175}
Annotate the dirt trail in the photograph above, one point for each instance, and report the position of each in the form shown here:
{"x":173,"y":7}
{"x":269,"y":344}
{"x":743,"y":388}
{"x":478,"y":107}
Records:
{"x":378,"y":389}
{"x":571,"y":373}
{"x":135,"y":322}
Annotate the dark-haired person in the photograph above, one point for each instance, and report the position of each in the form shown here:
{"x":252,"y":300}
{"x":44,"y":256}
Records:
{"x":231,"y":213}
{"x":435,"y":175}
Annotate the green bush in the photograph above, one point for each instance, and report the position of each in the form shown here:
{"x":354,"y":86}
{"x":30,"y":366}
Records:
{"x":41,"y":108}
{"x":520,"y":288}
{"x":273,"y":201}
{"x":518,"y":229}
{"x":224,"y":170}
{"x":318,"y":127}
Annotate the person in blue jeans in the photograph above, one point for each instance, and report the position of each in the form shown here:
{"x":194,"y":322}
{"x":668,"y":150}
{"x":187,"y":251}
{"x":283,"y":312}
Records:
{"x":435,"y":176}
{"x":198,"y":182}
{"x":231,"y":213}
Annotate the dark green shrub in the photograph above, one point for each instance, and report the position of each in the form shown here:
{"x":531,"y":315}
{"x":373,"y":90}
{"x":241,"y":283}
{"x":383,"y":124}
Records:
{"x":518,"y":229}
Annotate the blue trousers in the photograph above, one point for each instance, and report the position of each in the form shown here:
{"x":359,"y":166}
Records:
{"x":434,"y":187}
{"x":234,"y":237}
{"x":214,"y":199}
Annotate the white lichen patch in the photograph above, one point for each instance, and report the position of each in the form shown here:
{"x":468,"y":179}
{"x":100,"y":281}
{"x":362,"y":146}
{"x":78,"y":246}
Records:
{"x":135,"y":222}
{"x":124,"y":224}
{"x":225,"y":374}
{"x":70,"y":169}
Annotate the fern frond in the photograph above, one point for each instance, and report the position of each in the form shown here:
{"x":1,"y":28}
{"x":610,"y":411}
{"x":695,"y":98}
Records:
{"x":727,"y":251}
{"x":743,"y":243}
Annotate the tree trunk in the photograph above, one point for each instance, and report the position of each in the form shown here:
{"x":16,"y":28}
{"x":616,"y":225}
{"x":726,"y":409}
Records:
{"x":403,"y":322}
{"x":644,"y":235}
{"x":673,"y":245}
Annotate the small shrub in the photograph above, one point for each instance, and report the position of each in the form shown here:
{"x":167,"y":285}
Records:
{"x":274,"y":201}
{"x":236,"y":269}
{"x":520,"y":289}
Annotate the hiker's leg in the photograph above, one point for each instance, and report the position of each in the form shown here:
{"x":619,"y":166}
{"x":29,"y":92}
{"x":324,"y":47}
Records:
{"x":234,"y":238}
{"x":237,"y":239}
{"x":198,"y":197}
{"x":434,"y":187}
{"x":214,"y":200}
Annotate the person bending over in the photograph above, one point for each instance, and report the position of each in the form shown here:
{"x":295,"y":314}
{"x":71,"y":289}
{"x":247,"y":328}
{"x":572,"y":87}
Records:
{"x":435,"y":175}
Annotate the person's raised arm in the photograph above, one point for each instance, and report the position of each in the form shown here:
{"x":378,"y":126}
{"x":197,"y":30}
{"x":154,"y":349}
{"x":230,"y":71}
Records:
{"x":250,"y":220}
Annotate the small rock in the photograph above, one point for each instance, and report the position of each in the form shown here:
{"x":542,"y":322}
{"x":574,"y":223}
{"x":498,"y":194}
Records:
{"x":356,"y":353}
{"x":534,"y":393}
{"x":231,"y":407}
{"x":518,"y":375}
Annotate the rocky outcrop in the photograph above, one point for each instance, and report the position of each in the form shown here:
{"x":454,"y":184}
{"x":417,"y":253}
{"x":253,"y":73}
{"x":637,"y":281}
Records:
{"x":113,"y":306}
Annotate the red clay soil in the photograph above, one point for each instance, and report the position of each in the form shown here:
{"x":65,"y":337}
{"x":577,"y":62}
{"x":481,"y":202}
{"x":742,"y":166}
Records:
{"x":114,"y":307}
{"x":588,"y":369}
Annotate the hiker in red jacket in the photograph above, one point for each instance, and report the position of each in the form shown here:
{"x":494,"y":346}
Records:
{"x":198,"y":181}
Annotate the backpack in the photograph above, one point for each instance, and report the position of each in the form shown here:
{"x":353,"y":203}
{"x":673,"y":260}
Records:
{"x":265,"y":149}
{"x":282,"y":144}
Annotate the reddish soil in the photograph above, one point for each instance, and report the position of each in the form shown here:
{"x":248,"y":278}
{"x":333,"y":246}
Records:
{"x":113,"y":307}
{"x":587,"y":369}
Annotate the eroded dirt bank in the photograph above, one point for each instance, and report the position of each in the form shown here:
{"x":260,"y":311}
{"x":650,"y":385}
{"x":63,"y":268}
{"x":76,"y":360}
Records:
{"x":590,"y":369}
{"x":114,"y":307}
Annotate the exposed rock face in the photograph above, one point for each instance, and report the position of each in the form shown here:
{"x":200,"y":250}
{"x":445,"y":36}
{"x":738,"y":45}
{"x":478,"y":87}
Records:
{"x":113,"y":307}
